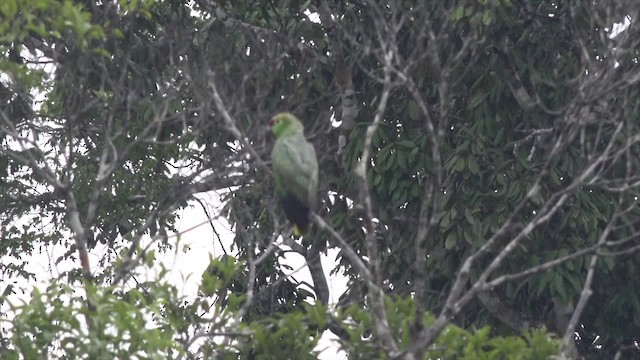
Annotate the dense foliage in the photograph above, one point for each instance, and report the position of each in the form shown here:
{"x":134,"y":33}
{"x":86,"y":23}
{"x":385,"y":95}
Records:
{"x":479,"y":174}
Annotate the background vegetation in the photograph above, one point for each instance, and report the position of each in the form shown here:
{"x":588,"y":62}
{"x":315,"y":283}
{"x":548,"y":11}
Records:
{"x":480,"y":175}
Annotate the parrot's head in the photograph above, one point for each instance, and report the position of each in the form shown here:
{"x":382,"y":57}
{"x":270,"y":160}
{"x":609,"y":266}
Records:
{"x":285,"y":123}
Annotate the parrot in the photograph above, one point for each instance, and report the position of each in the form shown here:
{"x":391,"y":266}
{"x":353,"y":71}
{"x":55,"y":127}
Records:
{"x":295,"y":170}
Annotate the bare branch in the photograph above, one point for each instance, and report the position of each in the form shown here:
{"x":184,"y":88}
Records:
{"x":356,"y":261}
{"x":567,"y":345}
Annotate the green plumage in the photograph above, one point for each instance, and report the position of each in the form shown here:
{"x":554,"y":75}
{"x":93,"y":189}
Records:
{"x":295,"y":170}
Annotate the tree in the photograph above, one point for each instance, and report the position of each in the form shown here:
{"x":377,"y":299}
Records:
{"x":479,"y":171}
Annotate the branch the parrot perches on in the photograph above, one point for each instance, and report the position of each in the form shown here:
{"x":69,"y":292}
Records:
{"x":295,"y":170}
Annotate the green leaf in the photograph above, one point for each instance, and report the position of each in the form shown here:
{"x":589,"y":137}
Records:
{"x":487,"y":17}
{"x":414,"y":110}
{"x":478,"y":98}
{"x":559,"y":283}
{"x":402,"y":160}
{"x":469,"y":216}
{"x":8,"y":8}
{"x":472,"y":163}
{"x":451,"y":241}
{"x":458,"y":13}
{"x":459,"y":165}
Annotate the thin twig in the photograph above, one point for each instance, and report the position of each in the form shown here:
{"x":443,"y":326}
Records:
{"x":230,"y":125}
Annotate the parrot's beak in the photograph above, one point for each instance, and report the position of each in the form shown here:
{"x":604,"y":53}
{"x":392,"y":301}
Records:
{"x":272,"y":122}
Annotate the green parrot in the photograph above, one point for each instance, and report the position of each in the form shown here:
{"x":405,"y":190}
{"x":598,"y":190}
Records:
{"x":295,"y":170}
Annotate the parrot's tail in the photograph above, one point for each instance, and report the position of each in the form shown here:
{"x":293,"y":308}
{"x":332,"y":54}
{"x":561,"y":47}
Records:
{"x":297,"y":213}
{"x":299,"y":230}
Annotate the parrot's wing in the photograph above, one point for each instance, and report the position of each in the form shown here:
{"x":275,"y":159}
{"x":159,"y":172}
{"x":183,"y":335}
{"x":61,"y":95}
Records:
{"x":295,"y":169}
